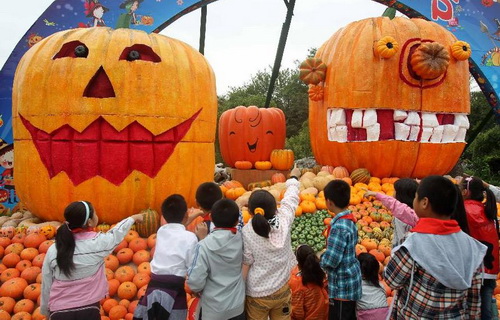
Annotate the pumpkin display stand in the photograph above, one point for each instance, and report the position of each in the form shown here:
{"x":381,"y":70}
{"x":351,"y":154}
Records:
{"x":248,"y":176}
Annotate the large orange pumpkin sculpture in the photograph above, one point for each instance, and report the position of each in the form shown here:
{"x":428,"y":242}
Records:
{"x":121,"y":118}
{"x":251,"y":134}
{"x":395,"y":99}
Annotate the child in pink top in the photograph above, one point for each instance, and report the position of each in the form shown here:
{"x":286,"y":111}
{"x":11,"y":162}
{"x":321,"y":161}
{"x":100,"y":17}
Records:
{"x":401,"y":207}
{"x":73,"y":270}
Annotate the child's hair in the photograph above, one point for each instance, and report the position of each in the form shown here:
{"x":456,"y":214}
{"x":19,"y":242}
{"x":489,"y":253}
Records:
{"x":225,"y":213}
{"x":339,"y":192}
{"x":405,"y":190}
{"x":263,"y":200}
{"x":207,"y":194}
{"x":369,"y":268}
{"x":475,"y":190}
{"x":174,"y":208}
{"x":460,"y":215}
{"x":441,"y":193}
{"x":309,"y":265}
{"x":76,"y":214}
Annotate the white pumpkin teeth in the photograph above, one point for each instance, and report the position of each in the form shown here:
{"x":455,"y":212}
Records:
{"x":357,"y":119}
{"x":462,"y":121}
{"x":402,"y":131}
{"x":370,"y":118}
{"x":373,"y":132}
{"x":337,"y":117}
{"x":449,"y":133}
{"x":437,"y":134}
{"x":408,"y":126}
{"x":426,"y":134}
{"x":413,"y":119}
{"x":429,"y":120}
{"x":340,"y":133}
{"x":400,"y":115}
{"x":461,"y":135}
{"x":414,"y":130}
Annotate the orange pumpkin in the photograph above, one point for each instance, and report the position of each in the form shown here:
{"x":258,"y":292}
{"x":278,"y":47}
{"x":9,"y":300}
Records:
{"x":263,"y":165}
{"x":13,"y":288}
{"x":119,"y":127}
{"x":127,"y":290}
{"x":277,"y":178}
{"x":312,"y":71}
{"x":250,"y":133}
{"x":243,"y":165}
{"x":282,"y":159}
{"x":378,"y":112}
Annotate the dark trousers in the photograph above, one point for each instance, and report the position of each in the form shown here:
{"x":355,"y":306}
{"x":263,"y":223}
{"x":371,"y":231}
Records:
{"x":90,"y":312}
{"x":486,"y":295}
{"x":342,"y":310}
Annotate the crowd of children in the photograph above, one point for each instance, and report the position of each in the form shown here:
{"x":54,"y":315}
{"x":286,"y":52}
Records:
{"x":443,"y":265}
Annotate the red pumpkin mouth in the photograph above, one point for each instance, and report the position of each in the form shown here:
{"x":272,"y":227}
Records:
{"x":350,"y":125}
{"x":101,"y":150}
{"x":252,"y":147}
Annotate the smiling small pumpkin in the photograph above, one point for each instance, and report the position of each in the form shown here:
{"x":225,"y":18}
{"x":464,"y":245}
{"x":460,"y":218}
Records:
{"x":121,"y":118}
{"x":251,"y":133}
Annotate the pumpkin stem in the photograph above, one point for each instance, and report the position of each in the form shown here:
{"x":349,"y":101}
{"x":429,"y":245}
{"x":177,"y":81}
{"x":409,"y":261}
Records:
{"x":430,"y":60}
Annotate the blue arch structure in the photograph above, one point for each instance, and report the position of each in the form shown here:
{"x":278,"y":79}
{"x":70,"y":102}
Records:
{"x":477,"y":22}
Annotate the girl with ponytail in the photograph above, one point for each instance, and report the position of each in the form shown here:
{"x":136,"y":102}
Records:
{"x":373,"y":303}
{"x":483,"y":226}
{"x":73,"y":270}
{"x":267,"y":252}
{"x":309,"y":296}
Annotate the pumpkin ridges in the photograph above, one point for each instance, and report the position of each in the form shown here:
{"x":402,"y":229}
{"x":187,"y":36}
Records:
{"x":150,"y":223}
{"x":282,"y":159}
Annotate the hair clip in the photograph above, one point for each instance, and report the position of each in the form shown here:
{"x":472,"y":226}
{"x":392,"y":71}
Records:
{"x":258,"y":210}
{"x":468,"y":179}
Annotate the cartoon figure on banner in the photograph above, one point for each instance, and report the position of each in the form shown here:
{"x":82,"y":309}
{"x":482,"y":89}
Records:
{"x":128,"y":18}
{"x":95,"y":11}
{"x":33,"y":39}
{"x":492,"y":57}
{"x":7,"y":177}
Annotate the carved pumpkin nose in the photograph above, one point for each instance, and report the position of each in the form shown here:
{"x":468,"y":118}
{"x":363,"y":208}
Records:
{"x":430,"y":60}
{"x":99,"y":86}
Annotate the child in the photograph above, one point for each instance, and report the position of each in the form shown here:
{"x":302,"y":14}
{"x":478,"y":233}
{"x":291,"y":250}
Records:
{"x":165,"y":296}
{"x":206,"y":195}
{"x":435,"y":270}
{"x":373,"y":302}
{"x":309,"y":297}
{"x":401,"y":207}
{"x":216,"y":269}
{"x":339,"y":260}
{"x":73,"y":270}
{"x":482,"y":219}
{"x":267,"y":252}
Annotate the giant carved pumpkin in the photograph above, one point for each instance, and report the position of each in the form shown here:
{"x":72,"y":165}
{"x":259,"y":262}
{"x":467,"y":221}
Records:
{"x":395,"y":99}
{"x":251,"y":133}
{"x":121,"y":118}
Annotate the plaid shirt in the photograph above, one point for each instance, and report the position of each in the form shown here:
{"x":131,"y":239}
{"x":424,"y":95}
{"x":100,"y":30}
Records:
{"x":339,"y":260}
{"x":428,"y":299}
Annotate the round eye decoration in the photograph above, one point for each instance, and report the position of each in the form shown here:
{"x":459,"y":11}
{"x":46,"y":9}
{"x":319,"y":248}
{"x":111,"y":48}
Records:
{"x":81,"y":51}
{"x":133,"y":55}
{"x":461,"y":50}
{"x":386,"y":47}
{"x":312,"y":71}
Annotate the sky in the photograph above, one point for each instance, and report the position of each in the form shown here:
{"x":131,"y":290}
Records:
{"x":242,"y":35}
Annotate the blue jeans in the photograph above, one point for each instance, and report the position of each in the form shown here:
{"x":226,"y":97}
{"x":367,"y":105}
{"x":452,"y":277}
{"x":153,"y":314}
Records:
{"x":486,"y":295}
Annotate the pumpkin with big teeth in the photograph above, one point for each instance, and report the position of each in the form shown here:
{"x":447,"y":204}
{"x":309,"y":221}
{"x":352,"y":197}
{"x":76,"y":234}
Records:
{"x":121,"y":118}
{"x":399,"y":110}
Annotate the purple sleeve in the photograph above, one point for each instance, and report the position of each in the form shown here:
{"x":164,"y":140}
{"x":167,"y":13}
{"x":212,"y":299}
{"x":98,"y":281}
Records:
{"x":399,"y":210}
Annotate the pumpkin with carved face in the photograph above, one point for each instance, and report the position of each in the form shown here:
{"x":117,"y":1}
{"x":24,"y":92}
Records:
{"x":120,"y":118}
{"x":251,"y":133}
{"x":395,"y":99}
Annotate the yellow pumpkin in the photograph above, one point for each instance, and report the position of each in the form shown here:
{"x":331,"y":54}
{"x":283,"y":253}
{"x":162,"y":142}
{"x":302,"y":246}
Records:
{"x":390,"y":115}
{"x":48,"y":231}
{"x":120,"y":118}
{"x":263,"y":165}
{"x":386,"y":47}
{"x":461,"y":50}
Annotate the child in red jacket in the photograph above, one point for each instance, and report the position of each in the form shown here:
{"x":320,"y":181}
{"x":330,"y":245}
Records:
{"x":483,"y":226}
